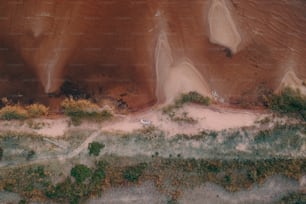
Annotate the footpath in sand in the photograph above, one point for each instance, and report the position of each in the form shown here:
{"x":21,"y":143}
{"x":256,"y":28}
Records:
{"x":208,"y":118}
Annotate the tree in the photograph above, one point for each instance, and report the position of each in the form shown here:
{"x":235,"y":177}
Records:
{"x":30,"y":154}
{"x":132,"y":173}
{"x":80,"y":172}
{"x":95,"y":148}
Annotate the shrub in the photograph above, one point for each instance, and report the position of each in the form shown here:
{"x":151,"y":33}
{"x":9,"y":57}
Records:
{"x":95,"y":148}
{"x":83,"y":109}
{"x":193,"y":97}
{"x":132,"y":173}
{"x":30,"y":154}
{"x":37,"y":110}
{"x":13,"y":113}
{"x":80,"y":172}
{"x":289,"y":102}
{"x":73,"y":107}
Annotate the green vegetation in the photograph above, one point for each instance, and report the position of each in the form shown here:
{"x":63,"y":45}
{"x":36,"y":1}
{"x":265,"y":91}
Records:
{"x":94,"y":148}
{"x":82,"y":109}
{"x":30,"y":154}
{"x":294,"y":198}
{"x":37,"y":110}
{"x":290,"y":102}
{"x":191,"y":97}
{"x":170,"y":175}
{"x":18,"y":112}
{"x":132,"y":173}
{"x":184,"y":118}
{"x":80,"y":172}
{"x":74,"y":192}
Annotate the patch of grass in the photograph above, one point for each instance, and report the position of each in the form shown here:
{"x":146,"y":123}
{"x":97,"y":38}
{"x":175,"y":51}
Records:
{"x":191,"y":97}
{"x":290,"y":102}
{"x":132,"y":173}
{"x":296,"y":198}
{"x":94,"y":148}
{"x":184,"y":118}
{"x":37,"y":110}
{"x":82,"y":109}
{"x":13,"y":112}
{"x":18,"y":112}
{"x":282,"y":136}
{"x":170,"y":175}
{"x":75,"y":192}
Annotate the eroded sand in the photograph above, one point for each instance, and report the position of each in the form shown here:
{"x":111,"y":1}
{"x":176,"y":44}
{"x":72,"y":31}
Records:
{"x":291,"y":80}
{"x":174,"y":77}
{"x":223,"y":30}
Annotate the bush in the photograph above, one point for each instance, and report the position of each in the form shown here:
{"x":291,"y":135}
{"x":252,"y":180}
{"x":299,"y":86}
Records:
{"x":30,"y":154}
{"x":80,"y":172}
{"x":132,"y":173}
{"x":37,"y":110}
{"x":95,"y":148}
{"x":83,"y":109}
{"x":289,"y":102}
{"x":13,"y":113}
{"x":193,"y":97}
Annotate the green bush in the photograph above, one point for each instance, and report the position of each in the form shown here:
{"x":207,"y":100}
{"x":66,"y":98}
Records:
{"x":80,"y":172}
{"x":132,"y":173}
{"x":30,"y":154}
{"x":95,"y":148}
{"x":290,"y":102}
{"x":193,"y":97}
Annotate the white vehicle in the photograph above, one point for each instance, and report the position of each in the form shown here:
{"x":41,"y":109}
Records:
{"x":145,"y":122}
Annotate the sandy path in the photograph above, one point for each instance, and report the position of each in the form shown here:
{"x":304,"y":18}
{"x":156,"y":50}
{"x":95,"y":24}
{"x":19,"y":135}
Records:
{"x":211,"y":118}
{"x":207,"y":118}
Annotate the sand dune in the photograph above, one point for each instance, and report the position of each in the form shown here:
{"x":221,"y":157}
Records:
{"x":174,"y":78}
{"x":291,"y":80}
{"x":118,"y":48}
{"x":223,"y":30}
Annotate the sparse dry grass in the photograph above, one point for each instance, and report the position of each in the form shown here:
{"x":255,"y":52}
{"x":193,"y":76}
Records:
{"x":13,"y":112}
{"x":37,"y":110}
{"x":18,"y":112}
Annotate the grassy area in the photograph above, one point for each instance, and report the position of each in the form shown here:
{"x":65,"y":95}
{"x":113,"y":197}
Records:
{"x":171,"y":176}
{"x":191,"y":97}
{"x":37,"y":110}
{"x":18,"y":112}
{"x":290,"y":102}
{"x":79,"y":110}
